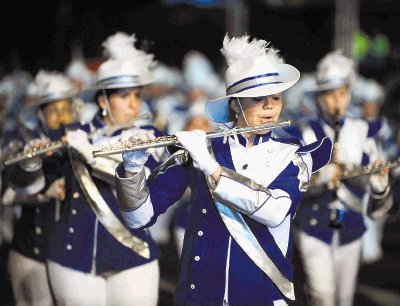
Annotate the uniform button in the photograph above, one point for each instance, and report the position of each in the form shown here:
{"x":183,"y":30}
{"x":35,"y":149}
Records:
{"x":204,"y":211}
{"x":192,"y":286}
{"x":69,"y":247}
{"x":315,"y":207}
{"x":313,"y":222}
{"x":73,"y":211}
{"x":76,"y":195}
{"x":37,"y":210}
{"x":197,"y":258}
{"x":71,"y":230}
{"x":267,"y":163}
{"x":270,"y":150}
{"x":38,"y":230}
{"x":200,"y":233}
{"x":36,"y":251}
{"x":245,"y":166}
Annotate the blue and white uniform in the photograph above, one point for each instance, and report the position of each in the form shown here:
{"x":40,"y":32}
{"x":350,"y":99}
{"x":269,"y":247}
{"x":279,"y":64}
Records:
{"x":26,"y":263}
{"x":331,"y":257}
{"x":264,"y":184}
{"x":357,"y":147}
{"x":79,"y":241}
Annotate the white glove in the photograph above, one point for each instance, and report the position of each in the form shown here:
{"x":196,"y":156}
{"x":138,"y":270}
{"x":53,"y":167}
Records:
{"x":379,"y":182}
{"x":127,"y":134}
{"x":56,"y":190}
{"x":32,"y":164}
{"x":326,"y":174}
{"x":195,"y":143}
{"x":134,"y":161}
{"x":80,"y":142}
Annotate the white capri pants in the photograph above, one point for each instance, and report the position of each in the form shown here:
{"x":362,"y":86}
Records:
{"x":331,"y":270}
{"x":134,"y":287}
{"x":29,"y":281}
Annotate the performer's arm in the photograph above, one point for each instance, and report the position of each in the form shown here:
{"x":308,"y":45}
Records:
{"x":268,"y":205}
{"x":142,"y":201}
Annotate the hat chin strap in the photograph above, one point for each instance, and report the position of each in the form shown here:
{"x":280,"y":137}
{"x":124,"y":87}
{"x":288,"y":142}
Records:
{"x":42,"y":120}
{"x":241,"y":109}
{"x":108,"y":106}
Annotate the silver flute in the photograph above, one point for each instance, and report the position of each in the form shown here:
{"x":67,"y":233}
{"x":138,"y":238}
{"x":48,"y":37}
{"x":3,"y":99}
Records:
{"x":369,"y":169}
{"x":58,"y":144}
{"x":164,"y":141}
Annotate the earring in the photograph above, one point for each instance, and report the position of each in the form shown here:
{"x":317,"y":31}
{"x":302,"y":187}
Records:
{"x":104,"y":112}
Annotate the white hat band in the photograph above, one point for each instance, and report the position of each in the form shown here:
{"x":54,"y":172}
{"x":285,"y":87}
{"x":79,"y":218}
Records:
{"x":56,"y":96}
{"x":334,"y":82}
{"x":121,"y":79}
{"x":252,"y":82}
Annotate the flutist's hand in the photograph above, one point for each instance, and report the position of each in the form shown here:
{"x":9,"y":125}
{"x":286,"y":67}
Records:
{"x":56,"y":190}
{"x":79,"y":140}
{"x":379,"y":181}
{"x":31,"y":164}
{"x":134,"y":161}
{"x":195,"y":143}
{"x":328,"y":174}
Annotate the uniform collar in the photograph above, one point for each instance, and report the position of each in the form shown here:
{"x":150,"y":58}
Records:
{"x":329,"y":121}
{"x":260,"y":138}
{"x":98,"y":123}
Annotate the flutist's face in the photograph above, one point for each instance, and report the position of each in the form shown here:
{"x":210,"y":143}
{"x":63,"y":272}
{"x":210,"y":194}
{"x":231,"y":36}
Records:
{"x":124,"y":104}
{"x":259,"y":110}
{"x":58,"y":113}
{"x":336,"y":99}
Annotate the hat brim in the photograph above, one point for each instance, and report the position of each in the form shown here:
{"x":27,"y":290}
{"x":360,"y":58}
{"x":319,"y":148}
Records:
{"x":40,"y":102}
{"x":116,"y":85}
{"x":217,"y":110}
{"x":326,"y":87}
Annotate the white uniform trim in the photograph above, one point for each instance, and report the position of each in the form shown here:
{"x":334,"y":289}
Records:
{"x":140,"y":216}
{"x":263,"y":163}
{"x":274,"y":210}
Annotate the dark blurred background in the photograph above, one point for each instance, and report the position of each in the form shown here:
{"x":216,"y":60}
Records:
{"x":39,"y":35}
{"x":42,"y":36}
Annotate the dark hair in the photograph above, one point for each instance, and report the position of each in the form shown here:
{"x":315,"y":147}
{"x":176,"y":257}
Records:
{"x":47,"y":103}
{"x":232,"y":114}
{"x":110,"y":92}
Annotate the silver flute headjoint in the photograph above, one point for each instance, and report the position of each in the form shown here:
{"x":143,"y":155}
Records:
{"x":164,"y":141}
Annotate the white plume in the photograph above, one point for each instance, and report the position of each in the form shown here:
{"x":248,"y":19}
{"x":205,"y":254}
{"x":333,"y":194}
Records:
{"x":52,"y":81}
{"x":121,"y":46}
{"x":239,"y":48}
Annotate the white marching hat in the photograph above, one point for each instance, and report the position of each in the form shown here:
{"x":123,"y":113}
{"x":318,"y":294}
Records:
{"x":368,"y":90}
{"x":51,"y":86}
{"x":253,"y":71}
{"x":126,"y":66}
{"x":335,"y":70}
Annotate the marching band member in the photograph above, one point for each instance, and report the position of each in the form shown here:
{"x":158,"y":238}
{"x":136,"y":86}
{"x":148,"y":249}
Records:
{"x":37,"y":195}
{"x":330,"y":222}
{"x":244,"y":194}
{"x":93,"y":258}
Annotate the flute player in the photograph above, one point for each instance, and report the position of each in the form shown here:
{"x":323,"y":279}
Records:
{"x":245,"y":192}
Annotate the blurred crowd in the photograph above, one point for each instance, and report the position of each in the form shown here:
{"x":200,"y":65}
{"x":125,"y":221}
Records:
{"x":175,"y":102}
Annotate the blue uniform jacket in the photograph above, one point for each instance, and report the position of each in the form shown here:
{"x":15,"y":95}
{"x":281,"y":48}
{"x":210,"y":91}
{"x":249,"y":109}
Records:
{"x":33,"y":227}
{"x":213,"y":265}
{"x":80,"y":241}
{"x":314,"y":214}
